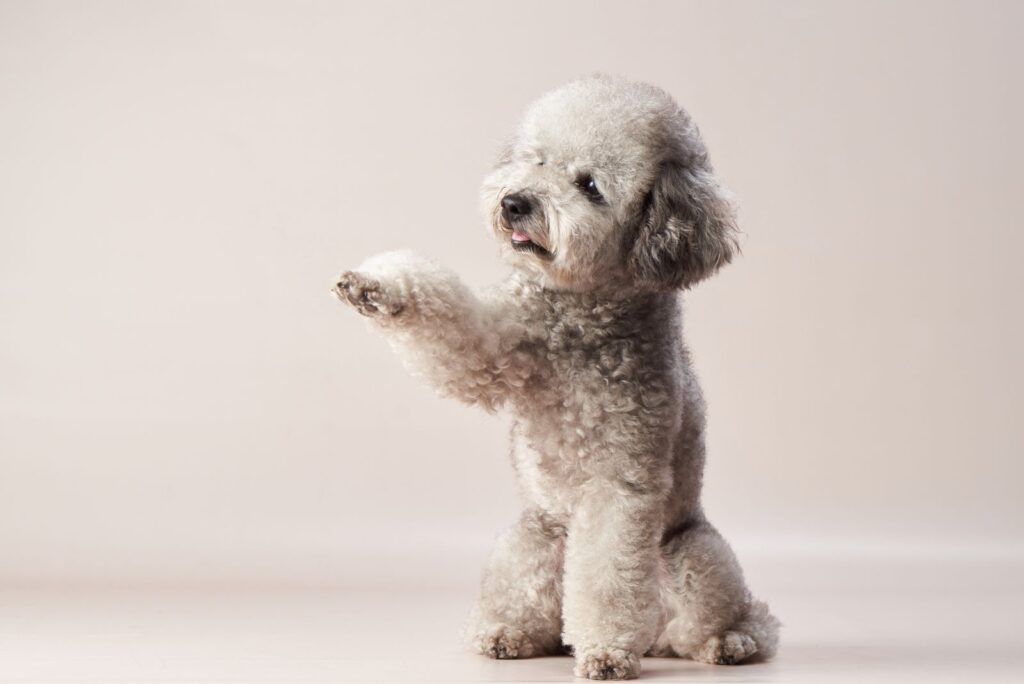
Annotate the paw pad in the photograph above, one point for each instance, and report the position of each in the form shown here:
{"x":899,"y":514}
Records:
{"x":366,"y":294}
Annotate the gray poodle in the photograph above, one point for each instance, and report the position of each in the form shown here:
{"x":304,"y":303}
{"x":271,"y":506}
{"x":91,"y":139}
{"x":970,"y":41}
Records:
{"x":606,"y":206}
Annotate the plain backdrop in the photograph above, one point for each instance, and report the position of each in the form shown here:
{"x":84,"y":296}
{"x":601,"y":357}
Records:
{"x":182,"y":400}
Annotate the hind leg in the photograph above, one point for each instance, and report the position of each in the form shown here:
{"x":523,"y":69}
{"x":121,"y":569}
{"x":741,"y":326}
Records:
{"x":519,"y":614}
{"x":711,"y":614}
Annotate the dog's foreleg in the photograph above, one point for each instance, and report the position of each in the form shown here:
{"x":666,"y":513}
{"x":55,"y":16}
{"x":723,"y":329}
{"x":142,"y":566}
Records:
{"x":466,"y":347}
{"x":611,"y":603}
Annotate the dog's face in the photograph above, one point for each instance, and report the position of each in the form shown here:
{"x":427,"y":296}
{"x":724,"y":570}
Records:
{"x":607,"y":185}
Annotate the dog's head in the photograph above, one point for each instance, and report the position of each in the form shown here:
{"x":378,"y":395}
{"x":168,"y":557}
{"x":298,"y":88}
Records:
{"x":607,"y":184}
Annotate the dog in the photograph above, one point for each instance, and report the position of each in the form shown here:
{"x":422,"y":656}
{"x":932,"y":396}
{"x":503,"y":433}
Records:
{"x":607,"y":208}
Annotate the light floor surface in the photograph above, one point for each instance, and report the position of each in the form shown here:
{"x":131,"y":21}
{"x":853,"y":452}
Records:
{"x":929,"y":619}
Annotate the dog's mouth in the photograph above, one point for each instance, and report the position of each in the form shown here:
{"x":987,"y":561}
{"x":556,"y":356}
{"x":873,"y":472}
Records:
{"x":521,"y":242}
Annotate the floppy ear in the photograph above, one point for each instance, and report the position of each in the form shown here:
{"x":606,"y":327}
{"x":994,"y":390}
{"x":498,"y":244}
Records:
{"x":687,"y":229}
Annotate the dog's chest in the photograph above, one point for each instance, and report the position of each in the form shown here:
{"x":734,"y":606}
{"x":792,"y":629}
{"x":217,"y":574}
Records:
{"x":601,"y":403}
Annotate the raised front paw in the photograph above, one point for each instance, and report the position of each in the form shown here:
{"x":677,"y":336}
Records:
{"x":368,"y":295}
{"x":607,"y":663}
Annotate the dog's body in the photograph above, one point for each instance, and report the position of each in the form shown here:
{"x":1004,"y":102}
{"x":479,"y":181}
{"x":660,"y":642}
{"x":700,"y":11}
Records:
{"x":609,"y":208}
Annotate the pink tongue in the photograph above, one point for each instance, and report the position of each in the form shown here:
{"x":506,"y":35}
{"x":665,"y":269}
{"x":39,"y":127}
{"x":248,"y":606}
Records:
{"x":520,"y":236}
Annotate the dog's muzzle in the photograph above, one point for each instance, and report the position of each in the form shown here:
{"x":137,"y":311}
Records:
{"x":515,"y":207}
{"x":518,"y":216}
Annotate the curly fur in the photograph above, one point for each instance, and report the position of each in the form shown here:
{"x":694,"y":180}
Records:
{"x":613,"y":557}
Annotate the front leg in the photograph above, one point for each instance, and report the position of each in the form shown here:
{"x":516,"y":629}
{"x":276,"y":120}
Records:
{"x":611,"y":606}
{"x":469,"y":348}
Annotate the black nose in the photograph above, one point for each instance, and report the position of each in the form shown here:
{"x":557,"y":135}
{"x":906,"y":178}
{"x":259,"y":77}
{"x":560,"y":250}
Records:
{"x":515,"y":206}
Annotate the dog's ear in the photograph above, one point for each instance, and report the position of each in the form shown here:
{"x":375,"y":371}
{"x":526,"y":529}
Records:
{"x":686,"y":229}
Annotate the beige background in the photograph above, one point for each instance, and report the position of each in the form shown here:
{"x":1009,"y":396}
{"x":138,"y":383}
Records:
{"x":181,"y":400}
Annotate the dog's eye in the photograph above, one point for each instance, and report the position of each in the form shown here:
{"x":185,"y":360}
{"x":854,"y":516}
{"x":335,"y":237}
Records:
{"x":588,"y":186}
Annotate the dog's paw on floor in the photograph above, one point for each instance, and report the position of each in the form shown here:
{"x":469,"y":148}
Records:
{"x":729,"y":648}
{"x":610,"y":663}
{"x":504,"y":643}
